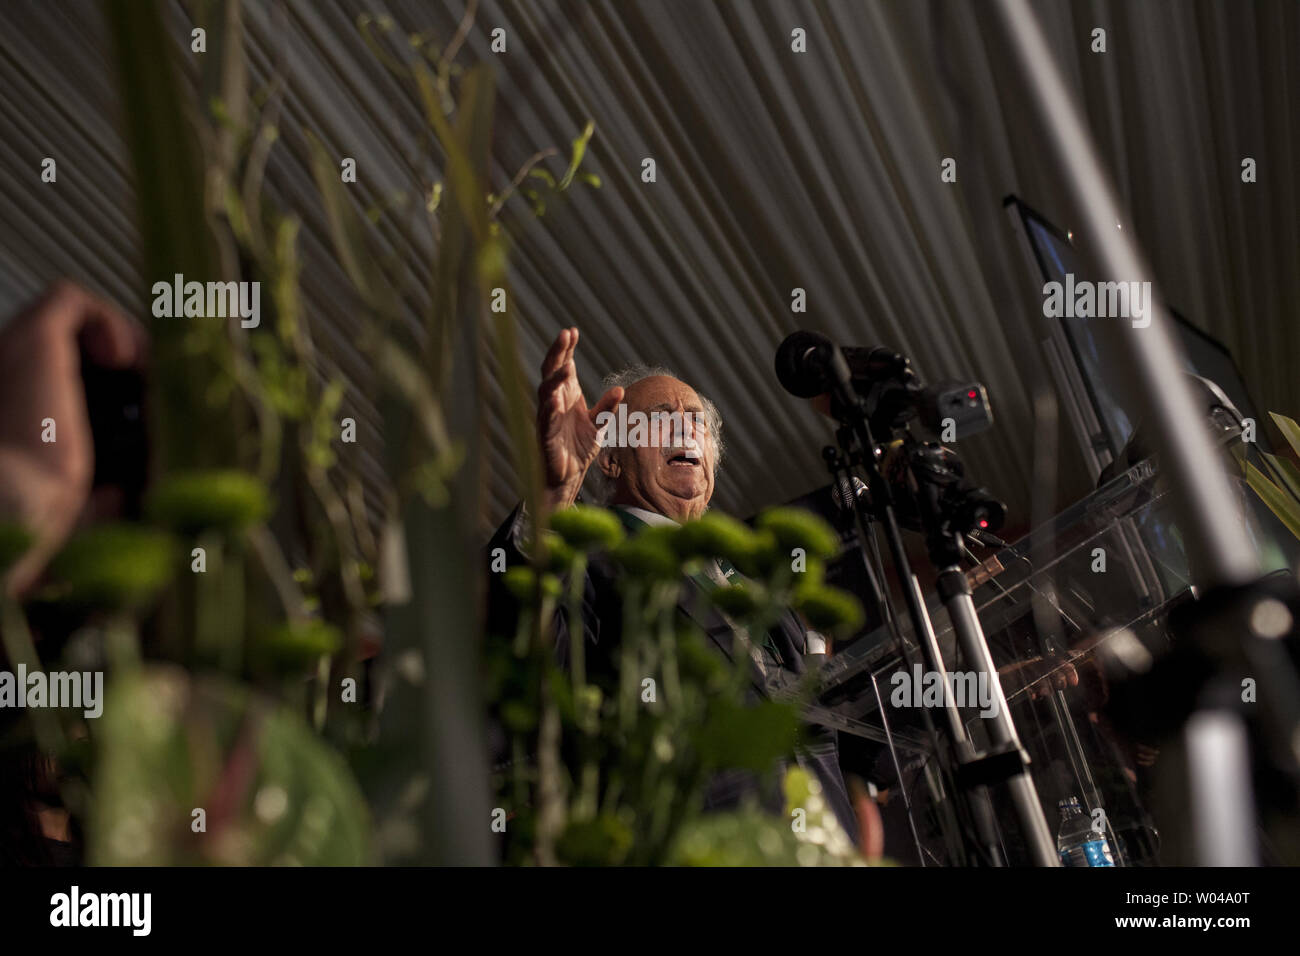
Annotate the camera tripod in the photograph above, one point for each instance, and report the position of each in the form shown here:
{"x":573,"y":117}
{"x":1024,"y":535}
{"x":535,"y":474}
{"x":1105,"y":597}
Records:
{"x":944,"y":508}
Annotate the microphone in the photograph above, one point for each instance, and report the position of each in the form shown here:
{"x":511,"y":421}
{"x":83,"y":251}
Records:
{"x":844,"y":492}
{"x":802,"y":363}
{"x":805,"y":364}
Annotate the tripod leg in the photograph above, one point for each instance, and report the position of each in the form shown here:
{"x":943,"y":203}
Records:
{"x":955,"y":591}
{"x":978,"y":803}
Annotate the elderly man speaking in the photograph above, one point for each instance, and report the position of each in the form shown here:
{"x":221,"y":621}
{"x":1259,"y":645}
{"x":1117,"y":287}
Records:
{"x":664,"y":479}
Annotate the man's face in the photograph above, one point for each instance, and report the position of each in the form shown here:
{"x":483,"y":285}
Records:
{"x":665,"y":474}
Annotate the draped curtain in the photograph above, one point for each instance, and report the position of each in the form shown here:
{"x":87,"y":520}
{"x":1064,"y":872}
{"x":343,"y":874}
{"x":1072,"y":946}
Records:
{"x":775,"y":170}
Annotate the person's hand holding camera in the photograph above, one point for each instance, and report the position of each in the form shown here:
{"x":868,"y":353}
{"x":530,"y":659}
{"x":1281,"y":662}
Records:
{"x":45,"y":485}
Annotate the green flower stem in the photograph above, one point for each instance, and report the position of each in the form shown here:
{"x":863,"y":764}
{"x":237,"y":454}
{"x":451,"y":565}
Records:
{"x":272,"y":563}
{"x":210,"y":615}
{"x":613,"y":791}
{"x":668,"y":657}
{"x":541,"y":622}
{"x":550,"y":798}
{"x":588,"y":723}
{"x":122,"y":644}
{"x":341,"y":523}
{"x":231,"y":647}
{"x":518,"y":771}
{"x":632,"y":601}
{"x":523,"y":631}
{"x":660,"y":607}
{"x":22,"y":650}
{"x":584,"y":808}
{"x":663,"y":783}
{"x":661,"y":814}
{"x":577,"y":635}
{"x":321,"y":705}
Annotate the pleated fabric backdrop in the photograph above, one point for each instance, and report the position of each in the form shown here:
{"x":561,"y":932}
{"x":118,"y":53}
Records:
{"x":775,"y":169}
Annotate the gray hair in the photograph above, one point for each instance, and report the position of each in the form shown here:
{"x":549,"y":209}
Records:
{"x":602,"y":488}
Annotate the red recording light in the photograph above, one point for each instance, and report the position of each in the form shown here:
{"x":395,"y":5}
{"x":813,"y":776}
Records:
{"x":972,"y":394}
{"x":983,"y":523}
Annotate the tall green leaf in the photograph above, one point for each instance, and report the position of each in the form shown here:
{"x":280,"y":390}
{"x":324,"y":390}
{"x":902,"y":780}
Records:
{"x":1279,"y":502}
{"x":174,"y":236}
{"x":1289,"y":428}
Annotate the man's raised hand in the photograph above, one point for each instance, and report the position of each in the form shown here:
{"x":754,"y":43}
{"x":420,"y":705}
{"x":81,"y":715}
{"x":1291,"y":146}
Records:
{"x":566,"y":428}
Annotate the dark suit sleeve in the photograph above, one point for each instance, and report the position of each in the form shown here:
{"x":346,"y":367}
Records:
{"x":506,"y":543}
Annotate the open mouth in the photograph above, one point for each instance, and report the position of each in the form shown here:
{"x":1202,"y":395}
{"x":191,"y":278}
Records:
{"x":684,"y":460}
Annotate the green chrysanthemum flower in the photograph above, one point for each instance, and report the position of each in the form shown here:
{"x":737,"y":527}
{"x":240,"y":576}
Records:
{"x":651,"y":554}
{"x":114,"y":566}
{"x":588,"y":529}
{"x":522,"y":583}
{"x":763,"y":557}
{"x":196,"y":501}
{"x":559,"y":556}
{"x":829,"y":609}
{"x":661,"y":535}
{"x":739,"y":599}
{"x":813,"y":574}
{"x":715,"y":535}
{"x":300,"y":643}
{"x":798,"y":788}
{"x":797,"y":528}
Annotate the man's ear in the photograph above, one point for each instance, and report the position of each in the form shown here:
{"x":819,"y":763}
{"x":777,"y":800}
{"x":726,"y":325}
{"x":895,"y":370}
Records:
{"x":609,"y":467}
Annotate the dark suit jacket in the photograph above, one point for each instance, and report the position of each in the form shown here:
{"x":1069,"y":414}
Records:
{"x":602,"y":624}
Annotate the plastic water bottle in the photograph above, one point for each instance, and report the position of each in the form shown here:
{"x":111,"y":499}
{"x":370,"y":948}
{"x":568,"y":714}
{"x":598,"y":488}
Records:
{"x":1077,"y":842}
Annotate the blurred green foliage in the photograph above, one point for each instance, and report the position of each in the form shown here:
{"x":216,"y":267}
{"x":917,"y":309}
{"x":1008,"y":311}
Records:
{"x":235,"y":619}
{"x":623,"y":779}
{"x":1282,"y":496}
{"x":112,"y":566}
{"x":226,"y":501}
{"x":232,"y":617}
{"x":270,"y":790}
